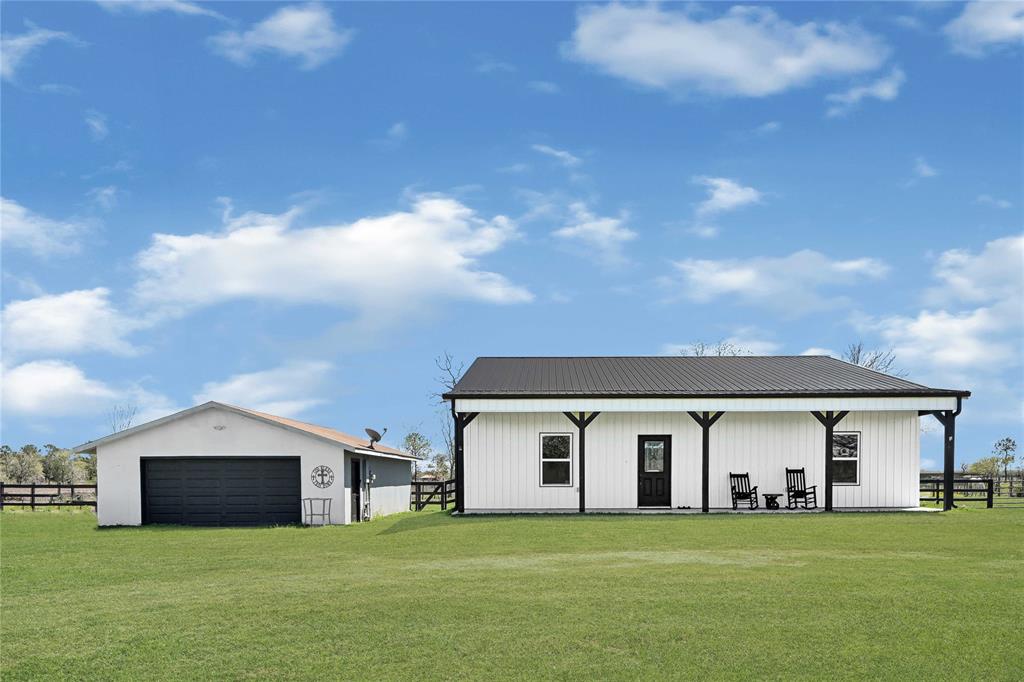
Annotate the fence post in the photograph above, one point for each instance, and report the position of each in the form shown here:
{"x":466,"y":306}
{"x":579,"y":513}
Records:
{"x":988,"y":502}
{"x":444,"y":495}
{"x":32,"y":497}
{"x":1,"y":495}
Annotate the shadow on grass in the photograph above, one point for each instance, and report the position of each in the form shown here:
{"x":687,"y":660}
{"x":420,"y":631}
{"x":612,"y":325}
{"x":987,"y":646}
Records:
{"x":418,"y":521}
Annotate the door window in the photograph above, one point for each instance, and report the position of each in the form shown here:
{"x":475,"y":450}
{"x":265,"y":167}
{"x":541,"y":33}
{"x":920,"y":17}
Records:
{"x":654,"y":457}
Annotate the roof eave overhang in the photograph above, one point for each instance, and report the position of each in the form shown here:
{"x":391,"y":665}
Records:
{"x":90,"y":447}
{"x":937,"y":393}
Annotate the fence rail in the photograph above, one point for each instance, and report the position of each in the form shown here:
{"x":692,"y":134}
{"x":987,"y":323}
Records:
{"x":423,"y":493}
{"x":969,"y":489}
{"x":47,"y":495}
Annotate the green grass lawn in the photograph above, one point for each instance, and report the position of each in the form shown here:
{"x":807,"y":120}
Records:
{"x":426,"y":596}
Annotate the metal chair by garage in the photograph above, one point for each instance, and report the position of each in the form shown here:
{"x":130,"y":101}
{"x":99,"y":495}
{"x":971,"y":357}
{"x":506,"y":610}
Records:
{"x":316,"y":508}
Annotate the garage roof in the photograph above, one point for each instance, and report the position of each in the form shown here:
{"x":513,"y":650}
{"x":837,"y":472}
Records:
{"x":798,"y":376}
{"x":322,"y":432}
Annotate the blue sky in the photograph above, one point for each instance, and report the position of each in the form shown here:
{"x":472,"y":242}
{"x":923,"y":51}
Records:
{"x":298,"y":207}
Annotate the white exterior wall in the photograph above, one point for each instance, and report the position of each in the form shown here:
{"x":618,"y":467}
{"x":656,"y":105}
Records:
{"x":119,"y":471}
{"x":502,"y":458}
{"x":390,"y":491}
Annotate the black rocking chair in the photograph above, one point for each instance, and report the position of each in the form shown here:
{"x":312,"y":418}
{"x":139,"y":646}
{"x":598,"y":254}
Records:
{"x":741,"y":490}
{"x":797,"y":491}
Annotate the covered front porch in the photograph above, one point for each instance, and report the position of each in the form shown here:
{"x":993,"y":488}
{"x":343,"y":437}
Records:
{"x":693,"y":446}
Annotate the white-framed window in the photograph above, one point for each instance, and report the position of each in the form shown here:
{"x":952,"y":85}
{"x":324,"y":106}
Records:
{"x":556,"y":459}
{"x":846,"y":458}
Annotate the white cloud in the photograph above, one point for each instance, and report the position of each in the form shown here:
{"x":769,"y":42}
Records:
{"x":53,"y":388}
{"x":16,"y":49}
{"x":886,"y":89}
{"x":743,"y":341}
{"x":382,"y":266}
{"x":305,"y":32}
{"x":287,"y":390}
{"x":97,"y":123}
{"x":25,"y":229}
{"x":923,"y":169}
{"x":399,"y":131}
{"x":746,"y":51}
{"x":545,"y":87}
{"x":815,"y":350}
{"x":153,"y":6}
{"x":788,"y":285}
{"x":514,"y":168}
{"x":104,"y":197}
{"x":74,"y":322}
{"x":487,"y":64}
{"x":751,"y":340}
{"x":768,"y":128}
{"x":604,"y":234}
{"x":724,"y":196}
{"x":976,"y":323}
{"x":56,"y":388}
{"x":986,"y":26}
{"x":989,"y":200}
{"x":997,"y":273}
{"x":59,"y":89}
{"x":563,"y":157}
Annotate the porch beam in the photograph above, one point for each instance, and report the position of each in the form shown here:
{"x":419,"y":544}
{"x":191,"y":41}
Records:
{"x":705,"y":420}
{"x":582,"y":421}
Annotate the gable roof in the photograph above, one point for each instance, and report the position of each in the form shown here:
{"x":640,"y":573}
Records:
{"x":349,"y":441}
{"x":773,"y":376}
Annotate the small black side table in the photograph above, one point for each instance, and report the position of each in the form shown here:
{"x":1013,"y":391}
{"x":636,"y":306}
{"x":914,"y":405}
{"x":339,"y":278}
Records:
{"x":771,"y":500}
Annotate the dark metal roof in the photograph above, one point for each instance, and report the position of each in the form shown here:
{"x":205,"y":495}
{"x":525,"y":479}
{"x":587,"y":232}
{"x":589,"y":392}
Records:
{"x":681,"y":377}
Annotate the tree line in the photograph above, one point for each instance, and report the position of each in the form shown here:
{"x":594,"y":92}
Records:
{"x":52,"y":464}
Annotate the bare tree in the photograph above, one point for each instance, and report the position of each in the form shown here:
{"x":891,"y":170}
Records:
{"x":721,"y":349}
{"x":879,"y":360}
{"x":122,"y":416}
{"x":451,"y":371}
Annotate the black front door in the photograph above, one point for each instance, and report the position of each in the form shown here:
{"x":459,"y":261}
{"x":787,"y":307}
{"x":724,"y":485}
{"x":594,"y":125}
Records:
{"x":357,"y":491}
{"x":654,"y":470}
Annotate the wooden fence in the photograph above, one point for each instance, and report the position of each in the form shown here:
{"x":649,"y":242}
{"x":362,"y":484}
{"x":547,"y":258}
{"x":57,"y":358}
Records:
{"x":47,"y":495}
{"x":422,"y":493}
{"x":969,"y":490}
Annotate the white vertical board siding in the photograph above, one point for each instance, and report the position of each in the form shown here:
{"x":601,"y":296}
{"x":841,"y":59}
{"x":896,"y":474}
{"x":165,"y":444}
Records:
{"x":613,"y":449}
{"x":764,"y":445}
{"x":389,"y":492}
{"x":502,"y":461}
{"x":503,"y":458}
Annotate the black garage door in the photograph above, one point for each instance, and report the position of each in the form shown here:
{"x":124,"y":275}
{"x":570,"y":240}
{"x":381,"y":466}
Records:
{"x":221,"y":491}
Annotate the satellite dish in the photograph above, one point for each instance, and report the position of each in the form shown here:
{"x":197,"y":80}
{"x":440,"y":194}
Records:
{"x":374,"y":435}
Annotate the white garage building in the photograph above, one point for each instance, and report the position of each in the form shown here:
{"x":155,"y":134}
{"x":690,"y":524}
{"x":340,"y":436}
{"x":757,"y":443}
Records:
{"x":607,"y":434}
{"x":221,"y":465}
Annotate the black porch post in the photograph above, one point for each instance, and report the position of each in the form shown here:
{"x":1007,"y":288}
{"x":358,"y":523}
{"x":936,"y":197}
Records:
{"x":582,"y":422}
{"x":462,"y":420}
{"x":459,"y":428}
{"x":949,"y":455}
{"x":829,"y":429}
{"x":948,"y":420}
{"x":705,"y":421}
{"x":583,"y":465}
{"x":829,"y":420}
